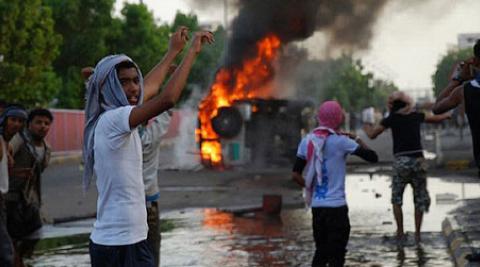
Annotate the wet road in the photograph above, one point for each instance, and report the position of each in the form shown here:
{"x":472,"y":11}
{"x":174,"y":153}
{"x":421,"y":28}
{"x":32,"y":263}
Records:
{"x":209,"y":237}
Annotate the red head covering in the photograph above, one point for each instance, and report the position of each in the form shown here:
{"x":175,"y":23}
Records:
{"x":330,"y":115}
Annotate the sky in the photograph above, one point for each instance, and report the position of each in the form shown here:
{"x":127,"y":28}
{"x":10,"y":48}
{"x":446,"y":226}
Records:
{"x":409,"y":40}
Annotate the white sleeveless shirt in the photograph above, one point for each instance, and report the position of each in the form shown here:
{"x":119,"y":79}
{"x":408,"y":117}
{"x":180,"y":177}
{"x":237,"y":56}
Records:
{"x":4,"y":167}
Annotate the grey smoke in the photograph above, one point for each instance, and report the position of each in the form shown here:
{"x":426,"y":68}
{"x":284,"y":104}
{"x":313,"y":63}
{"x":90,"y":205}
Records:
{"x":348,"y":23}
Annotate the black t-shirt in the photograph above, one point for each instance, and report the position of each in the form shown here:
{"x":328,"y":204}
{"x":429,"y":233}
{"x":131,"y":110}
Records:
{"x":405,"y":133}
{"x":471,"y":93}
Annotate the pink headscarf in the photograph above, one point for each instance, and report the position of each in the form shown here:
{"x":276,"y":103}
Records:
{"x":330,"y":115}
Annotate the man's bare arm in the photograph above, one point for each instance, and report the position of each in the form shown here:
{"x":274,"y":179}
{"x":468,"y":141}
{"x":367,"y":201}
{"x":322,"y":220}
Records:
{"x":438,"y":118}
{"x":459,"y":74}
{"x":154,"y":79}
{"x":449,"y":102}
{"x":174,"y":87}
{"x":448,"y":90}
{"x":373,"y":131}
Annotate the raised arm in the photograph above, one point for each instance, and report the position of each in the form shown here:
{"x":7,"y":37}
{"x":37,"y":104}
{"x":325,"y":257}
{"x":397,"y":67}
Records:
{"x":449,"y":102}
{"x":174,"y":87}
{"x":437,"y":118}
{"x":363,"y":151}
{"x":459,"y":74}
{"x":154,"y":79}
{"x":373,"y":131}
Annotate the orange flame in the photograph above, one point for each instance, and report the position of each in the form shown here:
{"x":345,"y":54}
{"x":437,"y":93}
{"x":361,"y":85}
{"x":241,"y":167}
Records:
{"x":251,"y":80}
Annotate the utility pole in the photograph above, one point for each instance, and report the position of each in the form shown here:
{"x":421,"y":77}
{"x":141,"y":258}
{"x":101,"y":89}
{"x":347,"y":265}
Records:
{"x":225,"y":23}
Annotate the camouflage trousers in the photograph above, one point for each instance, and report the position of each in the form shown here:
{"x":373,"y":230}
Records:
{"x":413,"y":171}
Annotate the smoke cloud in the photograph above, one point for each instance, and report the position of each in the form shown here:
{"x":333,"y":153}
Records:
{"x":347,"y":23}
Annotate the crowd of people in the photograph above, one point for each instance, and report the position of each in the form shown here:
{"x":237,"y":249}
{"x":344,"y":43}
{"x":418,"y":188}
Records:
{"x":126,"y":117}
{"x":24,"y":155}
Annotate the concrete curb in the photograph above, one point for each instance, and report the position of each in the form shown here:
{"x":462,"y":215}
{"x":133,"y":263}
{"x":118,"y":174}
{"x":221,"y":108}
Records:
{"x":457,"y":242}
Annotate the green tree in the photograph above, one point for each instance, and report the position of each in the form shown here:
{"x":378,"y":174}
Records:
{"x":141,"y":38}
{"x":444,"y":67}
{"x":86,"y":26}
{"x":188,"y":20}
{"x":28,"y":45}
{"x":345,"y":80}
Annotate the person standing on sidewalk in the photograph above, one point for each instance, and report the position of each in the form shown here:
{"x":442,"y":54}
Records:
{"x":31,"y":156}
{"x":151,"y":136}
{"x":116,"y":105}
{"x":323,"y":153}
{"x":409,"y":166}
{"x":464,"y":87}
{"x":11,"y":122}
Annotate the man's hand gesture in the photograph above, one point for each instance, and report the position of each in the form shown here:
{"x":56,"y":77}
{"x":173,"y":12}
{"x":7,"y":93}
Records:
{"x":178,"y":40}
{"x":200,"y":38}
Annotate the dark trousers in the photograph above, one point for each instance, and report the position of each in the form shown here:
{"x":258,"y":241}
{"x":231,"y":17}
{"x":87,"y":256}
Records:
{"x":135,"y":255}
{"x":6,"y":246}
{"x":331,"y":230}
{"x":154,"y":236}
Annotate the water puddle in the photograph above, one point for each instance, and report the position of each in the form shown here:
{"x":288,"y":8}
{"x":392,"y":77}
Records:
{"x":210,"y":237}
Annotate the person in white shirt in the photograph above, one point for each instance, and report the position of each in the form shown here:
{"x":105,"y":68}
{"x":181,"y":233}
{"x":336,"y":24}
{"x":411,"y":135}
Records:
{"x":117,"y":104}
{"x":151,"y":136}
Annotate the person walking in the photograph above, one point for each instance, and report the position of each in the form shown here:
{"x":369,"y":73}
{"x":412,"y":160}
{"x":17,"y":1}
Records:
{"x":409,"y":165}
{"x":322,"y":153}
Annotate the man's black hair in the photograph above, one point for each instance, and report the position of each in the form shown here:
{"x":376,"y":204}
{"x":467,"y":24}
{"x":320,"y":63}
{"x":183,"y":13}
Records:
{"x":476,"y":49}
{"x":125,"y":65}
{"x":397,"y":105}
{"x":39,"y":112}
{"x":16,"y":105}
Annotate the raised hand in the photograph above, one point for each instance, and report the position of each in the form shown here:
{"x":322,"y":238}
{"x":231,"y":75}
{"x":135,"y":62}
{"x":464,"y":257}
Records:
{"x":200,"y":38}
{"x":178,"y":40}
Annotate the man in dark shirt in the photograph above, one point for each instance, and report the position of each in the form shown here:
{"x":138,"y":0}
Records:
{"x":409,"y":165}
{"x":464,"y":86}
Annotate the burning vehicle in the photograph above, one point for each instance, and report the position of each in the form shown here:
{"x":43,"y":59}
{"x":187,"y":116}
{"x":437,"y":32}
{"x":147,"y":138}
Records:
{"x":256,"y":131}
{"x":239,"y":121}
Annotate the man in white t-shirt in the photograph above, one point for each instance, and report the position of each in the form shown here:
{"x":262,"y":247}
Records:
{"x":116,"y":105}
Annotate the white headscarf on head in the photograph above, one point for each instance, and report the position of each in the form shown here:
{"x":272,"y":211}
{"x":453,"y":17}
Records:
{"x":104,"y":92}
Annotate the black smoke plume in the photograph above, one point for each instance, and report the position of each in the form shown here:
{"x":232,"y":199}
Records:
{"x":347,"y":23}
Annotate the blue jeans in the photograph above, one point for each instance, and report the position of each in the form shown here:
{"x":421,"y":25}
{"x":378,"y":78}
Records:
{"x":134,"y":255}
